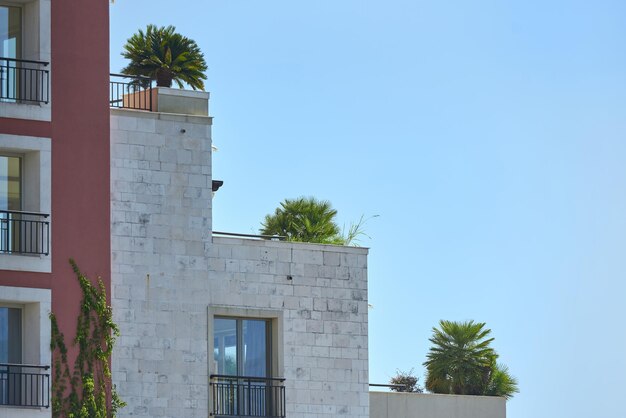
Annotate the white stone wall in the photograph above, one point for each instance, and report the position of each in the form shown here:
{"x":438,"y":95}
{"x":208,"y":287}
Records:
{"x":160,"y":225}
{"x":324,"y":313}
{"x":169,"y":277}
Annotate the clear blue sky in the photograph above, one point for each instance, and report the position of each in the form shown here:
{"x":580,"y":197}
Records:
{"x":490,"y":137}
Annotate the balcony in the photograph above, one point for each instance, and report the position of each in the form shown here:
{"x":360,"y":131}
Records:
{"x":24,"y":81}
{"x":24,"y":385}
{"x":25,"y":233}
{"x":244,"y":396}
{"x":137,"y":93}
{"x":130,"y":92}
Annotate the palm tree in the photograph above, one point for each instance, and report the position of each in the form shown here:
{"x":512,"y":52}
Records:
{"x":501,"y":383}
{"x":461,"y":361}
{"x":165,"y":56}
{"x":304,"y":219}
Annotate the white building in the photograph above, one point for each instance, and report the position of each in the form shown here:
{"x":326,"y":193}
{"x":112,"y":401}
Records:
{"x":217,"y":325}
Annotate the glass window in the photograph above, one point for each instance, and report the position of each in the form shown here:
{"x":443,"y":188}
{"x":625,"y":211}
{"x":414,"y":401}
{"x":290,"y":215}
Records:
{"x":10,"y":32}
{"x":242,"y":354}
{"x":10,"y":47}
{"x":225,"y":346}
{"x":10,"y":183}
{"x":10,"y":354}
{"x":10,"y":335}
{"x":241,"y":347}
{"x":255,"y":360}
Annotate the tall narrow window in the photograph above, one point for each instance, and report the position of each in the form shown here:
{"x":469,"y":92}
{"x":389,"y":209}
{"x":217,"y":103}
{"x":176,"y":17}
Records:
{"x":10,"y":183}
{"x":243,"y":385}
{"x":10,"y":335}
{"x":10,"y":32}
{"x":10,"y":355}
{"x":10,"y":204}
{"x":10,"y":50}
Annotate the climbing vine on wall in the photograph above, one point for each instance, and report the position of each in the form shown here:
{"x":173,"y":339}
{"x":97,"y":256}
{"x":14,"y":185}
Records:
{"x":86,"y":391}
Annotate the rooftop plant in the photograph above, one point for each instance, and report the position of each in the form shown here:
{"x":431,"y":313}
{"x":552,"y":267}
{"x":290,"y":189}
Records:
{"x":165,"y":56}
{"x":307,"y":219}
{"x":461,"y":361}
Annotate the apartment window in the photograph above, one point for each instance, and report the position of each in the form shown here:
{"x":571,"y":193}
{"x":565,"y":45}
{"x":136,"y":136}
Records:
{"x":10,"y":32}
{"x":24,"y":348}
{"x":21,"y":384}
{"x":242,"y":355}
{"x":10,"y":354}
{"x":241,"y":347}
{"x":10,"y":51}
{"x":25,"y":197}
{"x":24,"y":56}
{"x":21,"y":232}
{"x":10,"y":335}
{"x":10,"y":183}
{"x":10,"y":202}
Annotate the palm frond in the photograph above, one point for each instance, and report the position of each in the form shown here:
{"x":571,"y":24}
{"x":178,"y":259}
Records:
{"x":166,"y":56}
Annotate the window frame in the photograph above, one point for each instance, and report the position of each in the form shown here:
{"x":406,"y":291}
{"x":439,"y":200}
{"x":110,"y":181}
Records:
{"x":21,"y":308}
{"x":240,"y":347}
{"x":35,"y":305}
{"x":36,"y":46}
{"x":20,"y":6}
{"x":276,"y":321}
{"x":22,"y":157}
{"x":36,"y":194}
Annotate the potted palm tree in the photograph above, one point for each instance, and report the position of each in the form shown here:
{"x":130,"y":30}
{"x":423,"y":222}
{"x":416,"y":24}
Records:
{"x":165,"y":56}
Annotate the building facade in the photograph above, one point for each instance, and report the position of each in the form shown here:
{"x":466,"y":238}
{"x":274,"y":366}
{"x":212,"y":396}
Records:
{"x":216,"y":325}
{"x":120,"y":180}
{"x":54,"y":179}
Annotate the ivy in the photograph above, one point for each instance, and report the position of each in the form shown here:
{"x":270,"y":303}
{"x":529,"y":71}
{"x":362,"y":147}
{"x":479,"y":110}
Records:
{"x":83,"y":392}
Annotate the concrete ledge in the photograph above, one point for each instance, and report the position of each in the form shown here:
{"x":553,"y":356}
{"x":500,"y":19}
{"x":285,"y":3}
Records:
{"x":290,"y":244}
{"x":428,"y":405}
{"x":172,"y":117}
{"x":41,"y":112}
{"x":185,"y":102}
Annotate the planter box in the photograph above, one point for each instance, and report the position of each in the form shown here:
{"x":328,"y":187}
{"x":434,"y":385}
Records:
{"x":186,"y":102}
{"x":169,"y":100}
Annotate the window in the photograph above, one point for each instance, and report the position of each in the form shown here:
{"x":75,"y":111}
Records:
{"x":10,"y":183}
{"x":20,"y":232}
{"x":25,"y":200}
{"x":241,"y":347}
{"x":25,"y":59}
{"x":10,"y":32}
{"x":10,"y":355}
{"x":10,"y":203}
{"x":24,"y":347}
{"x":244,"y":384}
{"x":10,"y":335}
{"x":10,"y":51}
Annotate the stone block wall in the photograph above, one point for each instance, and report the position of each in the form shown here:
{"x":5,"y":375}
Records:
{"x":160,"y":226}
{"x":170,"y":277}
{"x":321,"y":293}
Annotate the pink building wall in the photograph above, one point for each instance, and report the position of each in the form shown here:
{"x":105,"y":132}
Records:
{"x":79,"y":133}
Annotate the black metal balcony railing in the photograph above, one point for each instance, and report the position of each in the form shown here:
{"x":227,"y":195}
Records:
{"x":24,"y":233}
{"x":24,"y":81}
{"x":238,"y":235}
{"x":130,"y":92}
{"x":24,"y":385}
{"x":244,"y":396}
